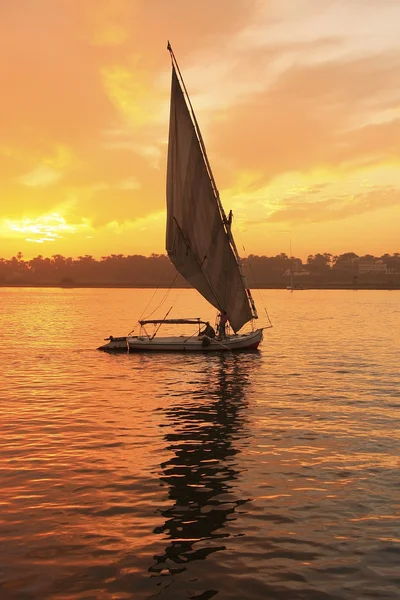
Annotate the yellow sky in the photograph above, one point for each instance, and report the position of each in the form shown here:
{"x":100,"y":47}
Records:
{"x":298,"y":101}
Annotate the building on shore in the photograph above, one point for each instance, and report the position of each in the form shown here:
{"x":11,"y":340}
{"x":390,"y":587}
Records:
{"x":371,"y":266}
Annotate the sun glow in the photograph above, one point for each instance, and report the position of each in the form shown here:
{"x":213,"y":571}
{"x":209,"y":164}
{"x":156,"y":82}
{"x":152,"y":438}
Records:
{"x":46,"y":228}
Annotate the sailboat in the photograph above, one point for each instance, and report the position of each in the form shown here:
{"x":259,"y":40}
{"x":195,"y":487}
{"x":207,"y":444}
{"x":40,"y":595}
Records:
{"x":199,"y":243}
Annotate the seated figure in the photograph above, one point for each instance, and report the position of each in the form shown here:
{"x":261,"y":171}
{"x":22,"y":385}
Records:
{"x":208,"y":331}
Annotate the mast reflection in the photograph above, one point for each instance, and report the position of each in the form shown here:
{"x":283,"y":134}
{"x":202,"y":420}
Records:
{"x":204,"y":432}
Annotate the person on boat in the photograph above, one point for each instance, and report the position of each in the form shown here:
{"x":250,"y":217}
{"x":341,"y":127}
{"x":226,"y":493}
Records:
{"x":208,"y":331}
{"x":223,"y":320}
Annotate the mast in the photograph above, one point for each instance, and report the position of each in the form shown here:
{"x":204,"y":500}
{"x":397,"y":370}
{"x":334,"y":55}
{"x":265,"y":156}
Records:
{"x":226,"y":222}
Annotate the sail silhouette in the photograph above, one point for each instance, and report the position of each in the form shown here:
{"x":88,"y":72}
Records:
{"x":196,"y":240}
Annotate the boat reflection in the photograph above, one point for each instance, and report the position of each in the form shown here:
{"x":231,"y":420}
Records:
{"x":205,"y":433}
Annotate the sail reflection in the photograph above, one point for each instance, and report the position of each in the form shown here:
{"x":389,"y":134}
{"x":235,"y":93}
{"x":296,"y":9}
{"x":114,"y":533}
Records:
{"x":205,"y":432}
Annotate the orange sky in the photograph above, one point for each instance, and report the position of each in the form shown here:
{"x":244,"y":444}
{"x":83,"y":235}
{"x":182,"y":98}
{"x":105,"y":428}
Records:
{"x":298,"y":101}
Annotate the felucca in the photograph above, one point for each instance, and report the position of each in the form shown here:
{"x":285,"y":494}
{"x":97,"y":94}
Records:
{"x":199,"y":243}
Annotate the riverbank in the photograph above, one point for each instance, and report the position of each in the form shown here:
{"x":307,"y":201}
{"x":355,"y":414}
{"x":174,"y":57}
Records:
{"x":322,"y":286}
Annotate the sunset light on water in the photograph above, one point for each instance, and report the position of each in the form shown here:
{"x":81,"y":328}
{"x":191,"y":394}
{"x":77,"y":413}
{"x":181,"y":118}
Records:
{"x":269,"y":474}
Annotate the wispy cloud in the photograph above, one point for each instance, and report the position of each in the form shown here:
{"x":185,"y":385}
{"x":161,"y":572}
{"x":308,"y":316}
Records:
{"x":148,"y":147}
{"x":41,"y":176}
{"x":131,"y":183}
{"x":129,"y":92}
{"x":301,"y":210}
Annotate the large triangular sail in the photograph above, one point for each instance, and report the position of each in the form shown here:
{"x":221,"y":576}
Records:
{"x":197,"y":239}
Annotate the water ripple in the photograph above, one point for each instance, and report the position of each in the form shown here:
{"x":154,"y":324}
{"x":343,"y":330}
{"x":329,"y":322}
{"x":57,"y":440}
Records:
{"x":269,"y":475}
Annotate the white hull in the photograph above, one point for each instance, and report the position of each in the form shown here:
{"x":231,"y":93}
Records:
{"x":239,"y":342}
{"x":246,"y":341}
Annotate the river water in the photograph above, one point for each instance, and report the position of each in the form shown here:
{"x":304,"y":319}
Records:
{"x":241,"y":476}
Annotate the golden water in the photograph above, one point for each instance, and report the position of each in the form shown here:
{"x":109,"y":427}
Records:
{"x":264,"y":475}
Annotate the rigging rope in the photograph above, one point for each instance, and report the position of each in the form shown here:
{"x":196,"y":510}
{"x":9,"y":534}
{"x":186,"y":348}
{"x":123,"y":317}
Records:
{"x":152,"y":298}
{"x":162,"y":299}
{"x":254,"y":281}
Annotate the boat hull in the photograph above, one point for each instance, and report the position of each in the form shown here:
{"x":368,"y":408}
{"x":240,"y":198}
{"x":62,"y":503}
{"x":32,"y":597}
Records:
{"x":239,"y":342}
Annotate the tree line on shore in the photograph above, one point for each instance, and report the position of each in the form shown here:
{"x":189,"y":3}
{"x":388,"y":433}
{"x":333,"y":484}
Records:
{"x":157,"y":270}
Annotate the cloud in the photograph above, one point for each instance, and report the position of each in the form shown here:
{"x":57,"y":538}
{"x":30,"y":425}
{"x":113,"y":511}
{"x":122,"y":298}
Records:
{"x":276,"y":22}
{"x":295,"y":100}
{"x":103,"y":22}
{"x":310,"y":118}
{"x":300,"y":210}
{"x":41,"y":176}
{"x":128,"y":91}
{"x":129,"y":184}
{"x":143,"y":144}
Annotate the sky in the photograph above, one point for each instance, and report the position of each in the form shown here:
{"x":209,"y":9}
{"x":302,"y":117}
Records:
{"x":298,"y":103}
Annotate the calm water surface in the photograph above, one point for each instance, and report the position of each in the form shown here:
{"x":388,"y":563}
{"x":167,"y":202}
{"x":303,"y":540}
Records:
{"x":266,"y":475}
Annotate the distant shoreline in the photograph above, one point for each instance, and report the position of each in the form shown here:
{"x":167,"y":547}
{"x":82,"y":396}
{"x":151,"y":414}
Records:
{"x":351,"y":287}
